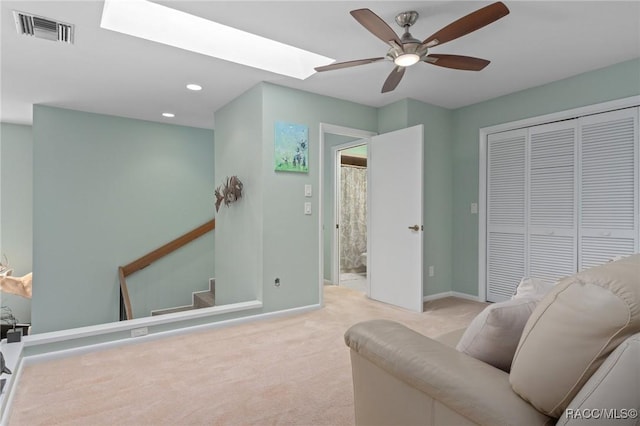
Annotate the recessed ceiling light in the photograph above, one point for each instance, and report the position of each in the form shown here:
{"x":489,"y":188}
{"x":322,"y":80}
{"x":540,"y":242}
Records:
{"x":168,"y":114}
{"x":152,"y":21}
{"x":195,"y":87}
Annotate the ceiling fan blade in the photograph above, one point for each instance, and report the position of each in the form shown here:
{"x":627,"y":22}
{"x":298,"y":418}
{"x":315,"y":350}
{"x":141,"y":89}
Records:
{"x":376,"y":26}
{"x":469,"y":23}
{"x":394,"y":78}
{"x":347,"y":64}
{"x":458,"y":62}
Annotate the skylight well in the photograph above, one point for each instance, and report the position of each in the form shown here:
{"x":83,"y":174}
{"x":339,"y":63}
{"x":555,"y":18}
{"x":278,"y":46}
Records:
{"x":161,"y":24}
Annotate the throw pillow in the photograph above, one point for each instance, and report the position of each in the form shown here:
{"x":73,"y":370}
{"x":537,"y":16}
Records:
{"x":573,"y":330}
{"x":534,"y":288}
{"x":494,"y":334}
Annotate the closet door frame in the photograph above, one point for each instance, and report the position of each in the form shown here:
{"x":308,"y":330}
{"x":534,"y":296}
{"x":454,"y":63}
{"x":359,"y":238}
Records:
{"x":633,"y":101}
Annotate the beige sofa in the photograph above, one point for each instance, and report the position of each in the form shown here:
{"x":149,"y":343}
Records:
{"x":577,"y":362}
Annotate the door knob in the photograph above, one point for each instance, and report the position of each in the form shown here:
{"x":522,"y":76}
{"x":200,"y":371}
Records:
{"x":415,"y":227}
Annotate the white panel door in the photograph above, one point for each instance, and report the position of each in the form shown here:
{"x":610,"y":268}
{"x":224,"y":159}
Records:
{"x":506,"y":213}
{"x":609,"y":186}
{"x":552,"y":225}
{"x":395,"y":205}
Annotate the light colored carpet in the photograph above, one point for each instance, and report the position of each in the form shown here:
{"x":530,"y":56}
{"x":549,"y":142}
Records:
{"x":286,"y":371}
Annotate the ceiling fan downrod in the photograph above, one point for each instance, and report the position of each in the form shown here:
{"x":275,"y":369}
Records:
{"x":411,"y":51}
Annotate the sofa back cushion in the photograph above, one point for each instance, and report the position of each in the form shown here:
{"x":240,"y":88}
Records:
{"x":573,"y":330}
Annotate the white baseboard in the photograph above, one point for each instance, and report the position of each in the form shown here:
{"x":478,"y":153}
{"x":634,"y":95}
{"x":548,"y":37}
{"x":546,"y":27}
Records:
{"x":450,"y":294}
{"x":119,"y":326}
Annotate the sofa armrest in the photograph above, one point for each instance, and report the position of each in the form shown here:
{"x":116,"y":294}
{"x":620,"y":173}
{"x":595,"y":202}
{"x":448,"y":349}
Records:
{"x":451,"y":338}
{"x":466,"y":385}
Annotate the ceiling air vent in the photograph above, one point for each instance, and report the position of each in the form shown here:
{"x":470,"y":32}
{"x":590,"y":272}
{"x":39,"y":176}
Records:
{"x":39,"y":27}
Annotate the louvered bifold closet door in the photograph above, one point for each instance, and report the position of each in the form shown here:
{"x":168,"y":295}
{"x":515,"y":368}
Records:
{"x":552,"y":215}
{"x":609,"y":186}
{"x":506,"y":209}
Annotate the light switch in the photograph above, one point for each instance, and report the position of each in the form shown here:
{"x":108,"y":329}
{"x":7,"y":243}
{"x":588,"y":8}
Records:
{"x":474,"y":208}
{"x":307,"y":208}
{"x":307,"y":190}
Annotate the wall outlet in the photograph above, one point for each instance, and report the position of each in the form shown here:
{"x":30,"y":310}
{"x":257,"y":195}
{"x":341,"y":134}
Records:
{"x":432,"y":271}
{"x":474,"y":208}
{"x":139,"y":332}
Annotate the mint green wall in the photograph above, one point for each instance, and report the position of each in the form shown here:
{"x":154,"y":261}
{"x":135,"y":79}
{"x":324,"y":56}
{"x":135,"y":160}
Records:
{"x":615,"y":82}
{"x":278,"y":239}
{"x":393,"y":116}
{"x":16,"y":208}
{"x":106,"y":191}
{"x":239,"y":227}
{"x":438,"y":197}
{"x":291,"y":246}
{"x":358,"y":151}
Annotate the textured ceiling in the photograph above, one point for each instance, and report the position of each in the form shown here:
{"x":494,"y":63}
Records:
{"x":111,"y":73}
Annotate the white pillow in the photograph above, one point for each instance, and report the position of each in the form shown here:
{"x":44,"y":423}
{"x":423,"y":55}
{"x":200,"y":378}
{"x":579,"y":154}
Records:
{"x":532,"y":288}
{"x":494,"y":334}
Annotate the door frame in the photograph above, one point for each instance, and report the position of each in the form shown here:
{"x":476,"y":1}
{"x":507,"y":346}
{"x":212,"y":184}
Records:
{"x":341,"y":131}
{"x":337,"y":202}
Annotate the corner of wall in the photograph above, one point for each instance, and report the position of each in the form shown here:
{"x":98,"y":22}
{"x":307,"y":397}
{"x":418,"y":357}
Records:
{"x":393,"y":116}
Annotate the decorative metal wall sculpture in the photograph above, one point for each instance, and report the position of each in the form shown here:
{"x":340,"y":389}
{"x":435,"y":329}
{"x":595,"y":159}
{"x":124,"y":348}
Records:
{"x":229,"y":192}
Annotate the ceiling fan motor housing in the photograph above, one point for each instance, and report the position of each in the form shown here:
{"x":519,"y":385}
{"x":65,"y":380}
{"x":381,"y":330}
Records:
{"x":410,"y":45}
{"x":407,"y":19}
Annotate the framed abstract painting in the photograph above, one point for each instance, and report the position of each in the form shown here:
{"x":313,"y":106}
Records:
{"x":291,"y":147}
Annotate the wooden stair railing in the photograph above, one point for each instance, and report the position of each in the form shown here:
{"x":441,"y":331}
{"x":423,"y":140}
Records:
{"x":148,"y":259}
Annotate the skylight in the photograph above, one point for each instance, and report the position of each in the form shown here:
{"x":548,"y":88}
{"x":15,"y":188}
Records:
{"x":155,"y":22}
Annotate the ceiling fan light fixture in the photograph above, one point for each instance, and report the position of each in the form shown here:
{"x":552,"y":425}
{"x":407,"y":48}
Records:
{"x":406,"y":59}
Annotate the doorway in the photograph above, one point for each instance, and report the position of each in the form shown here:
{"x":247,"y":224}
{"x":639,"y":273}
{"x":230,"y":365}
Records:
{"x":351,"y":212}
{"x":394,"y":213}
{"x":332,"y":137}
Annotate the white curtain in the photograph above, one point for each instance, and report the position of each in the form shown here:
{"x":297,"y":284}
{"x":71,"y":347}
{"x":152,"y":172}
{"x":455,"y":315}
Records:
{"x":353,"y":218}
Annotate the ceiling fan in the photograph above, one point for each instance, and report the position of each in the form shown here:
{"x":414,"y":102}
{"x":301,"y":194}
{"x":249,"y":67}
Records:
{"x":407,"y":50}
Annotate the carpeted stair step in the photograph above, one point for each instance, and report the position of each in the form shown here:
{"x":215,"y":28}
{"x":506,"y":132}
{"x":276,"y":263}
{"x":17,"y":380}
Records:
{"x":201,"y":299}
{"x":204,"y":299}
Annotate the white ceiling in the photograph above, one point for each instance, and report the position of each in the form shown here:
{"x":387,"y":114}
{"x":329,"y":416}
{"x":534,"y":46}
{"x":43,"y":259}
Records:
{"x":111,"y":73}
